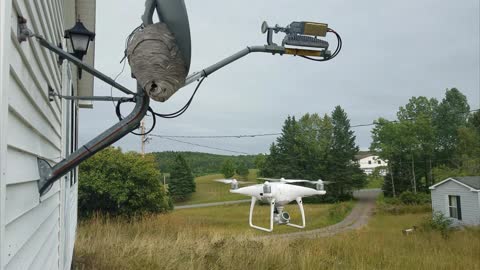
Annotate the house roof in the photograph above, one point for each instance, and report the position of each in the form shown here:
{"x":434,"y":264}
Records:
{"x":472,"y":182}
{"x":363,"y":154}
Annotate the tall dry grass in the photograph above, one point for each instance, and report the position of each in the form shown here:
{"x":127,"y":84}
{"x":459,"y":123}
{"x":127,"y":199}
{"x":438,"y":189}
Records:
{"x":179,"y":242}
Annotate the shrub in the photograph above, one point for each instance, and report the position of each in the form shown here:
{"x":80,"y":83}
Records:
{"x":439,"y":222}
{"x":396,"y":206}
{"x":408,"y":197}
{"x":121,"y":184}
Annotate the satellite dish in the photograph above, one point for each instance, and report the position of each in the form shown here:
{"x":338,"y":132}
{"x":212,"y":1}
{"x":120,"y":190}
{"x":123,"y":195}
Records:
{"x":264,"y":27}
{"x":174,"y":14}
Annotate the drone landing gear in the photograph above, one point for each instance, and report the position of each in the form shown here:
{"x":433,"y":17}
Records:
{"x":275,"y":212}
{"x":302,"y":212}
{"x":272,"y":209}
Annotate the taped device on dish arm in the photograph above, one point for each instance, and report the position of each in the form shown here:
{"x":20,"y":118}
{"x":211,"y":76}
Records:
{"x":301,"y":34}
{"x":304,"y":34}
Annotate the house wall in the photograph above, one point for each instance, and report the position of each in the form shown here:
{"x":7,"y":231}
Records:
{"x":468,"y":199}
{"x":368,"y":164}
{"x":35,"y":232}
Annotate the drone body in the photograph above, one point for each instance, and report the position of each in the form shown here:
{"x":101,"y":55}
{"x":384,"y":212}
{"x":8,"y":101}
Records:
{"x":277,"y":195}
{"x":282,"y":193}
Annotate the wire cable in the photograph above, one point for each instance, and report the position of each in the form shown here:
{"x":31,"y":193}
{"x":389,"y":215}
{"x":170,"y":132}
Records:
{"x":271,"y":134}
{"x":184,"y":108}
{"x":205,"y":146}
{"x":334,"y":54}
{"x":154,"y":114}
{"x":217,"y":136}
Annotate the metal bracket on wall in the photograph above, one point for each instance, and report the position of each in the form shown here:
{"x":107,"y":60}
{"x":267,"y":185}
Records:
{"x":52,"y":94}
{"x":23,"y":33}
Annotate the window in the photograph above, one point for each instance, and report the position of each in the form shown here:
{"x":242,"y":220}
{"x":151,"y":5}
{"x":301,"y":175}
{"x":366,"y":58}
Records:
{"x":369,"y":162}
{"x":379,"y":162}
{"x":454,"y":207}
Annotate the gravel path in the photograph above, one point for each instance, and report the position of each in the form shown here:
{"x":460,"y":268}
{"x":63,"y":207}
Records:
{"x":358,"y":218}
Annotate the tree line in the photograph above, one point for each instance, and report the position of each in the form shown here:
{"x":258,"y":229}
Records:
{"x":429,"y":141}
{"x":202,"y":163}
{"x":316,"y":147}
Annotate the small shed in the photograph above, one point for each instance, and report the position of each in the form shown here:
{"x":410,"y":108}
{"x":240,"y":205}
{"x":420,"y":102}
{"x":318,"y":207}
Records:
{"x":458,"y":198}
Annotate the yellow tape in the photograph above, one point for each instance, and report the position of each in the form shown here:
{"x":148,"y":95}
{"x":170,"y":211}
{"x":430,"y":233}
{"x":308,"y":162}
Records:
{"x":303,"y":52}
{"x":315,"y":29}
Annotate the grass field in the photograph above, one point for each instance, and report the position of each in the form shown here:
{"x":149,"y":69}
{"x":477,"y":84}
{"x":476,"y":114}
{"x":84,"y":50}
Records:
{"x":219,"y":238}
{"x":208,"y":190}
{"x":232,"y":219}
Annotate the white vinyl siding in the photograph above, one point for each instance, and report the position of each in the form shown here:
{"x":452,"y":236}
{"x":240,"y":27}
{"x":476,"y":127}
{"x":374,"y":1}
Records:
{"x":470,"y":205}
{"x":35,"y":232}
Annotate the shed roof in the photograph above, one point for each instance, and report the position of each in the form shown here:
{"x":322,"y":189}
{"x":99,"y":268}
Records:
{"x":473,"y":182}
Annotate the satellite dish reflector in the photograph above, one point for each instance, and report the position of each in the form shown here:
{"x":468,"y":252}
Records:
{"x":264,"y":27}
{"x":174,"y":14}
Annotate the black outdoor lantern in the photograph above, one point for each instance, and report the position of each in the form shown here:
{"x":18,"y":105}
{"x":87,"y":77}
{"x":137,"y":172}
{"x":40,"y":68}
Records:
{"x":80,"y":38}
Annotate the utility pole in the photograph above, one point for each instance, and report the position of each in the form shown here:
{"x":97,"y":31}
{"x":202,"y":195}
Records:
{"x":142,"y":131}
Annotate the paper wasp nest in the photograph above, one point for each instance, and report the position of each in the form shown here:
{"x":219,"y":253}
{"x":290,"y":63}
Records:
{"x":156,"y":61}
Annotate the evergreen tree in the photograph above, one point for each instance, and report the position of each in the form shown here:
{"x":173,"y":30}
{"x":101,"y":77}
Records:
{"x":242,"y":170}
{"x":182,"y":183}
{"x":343,"y":170}
{"x":228,"y":170}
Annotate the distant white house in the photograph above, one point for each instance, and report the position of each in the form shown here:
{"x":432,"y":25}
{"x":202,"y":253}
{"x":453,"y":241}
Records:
{"x":38,"y":232}
{"x":369,"y":162}
{"x":458,"y":198}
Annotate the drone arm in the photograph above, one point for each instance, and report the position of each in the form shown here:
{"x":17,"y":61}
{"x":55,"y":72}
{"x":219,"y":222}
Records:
{"x":250,"y":220}
{"x":302,"y":212}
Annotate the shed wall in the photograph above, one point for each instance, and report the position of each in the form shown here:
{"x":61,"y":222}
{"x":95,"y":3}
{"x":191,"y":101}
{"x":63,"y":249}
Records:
{"x":469,"y":201}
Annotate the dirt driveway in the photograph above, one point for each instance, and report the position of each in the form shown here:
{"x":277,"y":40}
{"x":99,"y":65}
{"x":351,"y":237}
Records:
{"x":358,"y":218}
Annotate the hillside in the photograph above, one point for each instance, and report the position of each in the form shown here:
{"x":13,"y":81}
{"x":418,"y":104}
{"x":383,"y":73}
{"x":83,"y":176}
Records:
{"x":201,"y":163}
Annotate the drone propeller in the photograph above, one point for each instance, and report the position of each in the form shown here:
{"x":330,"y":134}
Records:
{"x":296,"y":180}
{"x":229,"y":181}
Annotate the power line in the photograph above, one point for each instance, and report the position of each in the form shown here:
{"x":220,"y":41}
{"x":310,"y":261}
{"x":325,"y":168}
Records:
{"x":268,"y":134}
{"x":218,"y":136}
{"x":204,"y":146}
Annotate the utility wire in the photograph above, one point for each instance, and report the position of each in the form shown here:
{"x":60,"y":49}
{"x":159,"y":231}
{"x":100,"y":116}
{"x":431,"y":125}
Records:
{"x":217,"y":136}
{"x":267,"y":134}
{"x":204,"y":146}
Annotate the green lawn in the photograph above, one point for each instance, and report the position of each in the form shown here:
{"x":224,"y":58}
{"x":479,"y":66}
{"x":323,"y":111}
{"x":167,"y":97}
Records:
{"x":210,"y":191}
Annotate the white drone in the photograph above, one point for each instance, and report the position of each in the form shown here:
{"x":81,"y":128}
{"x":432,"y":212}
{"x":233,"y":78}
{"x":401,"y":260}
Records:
{"x":277,"y":193}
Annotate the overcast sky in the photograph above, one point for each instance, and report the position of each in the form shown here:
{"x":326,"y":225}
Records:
{"x":392,"y":50}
